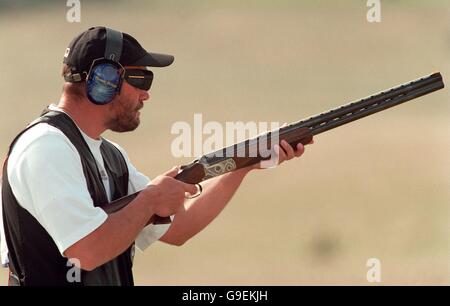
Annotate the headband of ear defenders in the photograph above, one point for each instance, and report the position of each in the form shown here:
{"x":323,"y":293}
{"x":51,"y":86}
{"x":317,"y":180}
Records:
{"x":113,"y":51}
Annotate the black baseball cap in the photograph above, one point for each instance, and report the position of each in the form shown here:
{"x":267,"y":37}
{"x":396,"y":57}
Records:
{"x":90,"y":45}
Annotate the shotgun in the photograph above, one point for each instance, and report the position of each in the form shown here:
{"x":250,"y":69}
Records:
{"x":239,"y":155}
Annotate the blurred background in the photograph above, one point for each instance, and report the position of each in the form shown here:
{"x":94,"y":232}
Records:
{"x":375,"y":188}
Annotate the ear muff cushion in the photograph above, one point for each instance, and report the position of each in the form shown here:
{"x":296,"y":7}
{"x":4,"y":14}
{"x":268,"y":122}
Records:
{"x":103,"y":83}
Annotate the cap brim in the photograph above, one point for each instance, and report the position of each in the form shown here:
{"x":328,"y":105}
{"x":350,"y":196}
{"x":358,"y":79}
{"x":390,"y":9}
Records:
{"x":155,"y":60}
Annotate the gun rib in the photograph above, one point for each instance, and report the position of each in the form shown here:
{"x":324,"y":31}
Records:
{"x":433,"y":81}
{"x":364,"y":111}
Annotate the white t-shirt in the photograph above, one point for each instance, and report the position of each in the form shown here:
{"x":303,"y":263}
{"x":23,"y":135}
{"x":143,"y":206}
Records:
{"x":46,"y":177}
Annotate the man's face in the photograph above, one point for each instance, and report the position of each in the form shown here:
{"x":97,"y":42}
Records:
{"x":124,"y":109}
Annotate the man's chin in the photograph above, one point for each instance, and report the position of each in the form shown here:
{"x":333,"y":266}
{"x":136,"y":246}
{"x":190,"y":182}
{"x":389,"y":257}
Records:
{"x":122,"y":128}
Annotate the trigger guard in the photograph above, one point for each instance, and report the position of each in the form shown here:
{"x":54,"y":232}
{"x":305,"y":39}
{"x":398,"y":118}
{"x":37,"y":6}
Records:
{"x":199,"y":192}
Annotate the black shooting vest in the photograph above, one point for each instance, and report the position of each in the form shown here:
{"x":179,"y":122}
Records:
{"x":33,"y":255}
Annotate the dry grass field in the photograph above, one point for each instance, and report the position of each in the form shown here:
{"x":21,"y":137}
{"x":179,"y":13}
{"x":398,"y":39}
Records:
{"x":378,"y":187}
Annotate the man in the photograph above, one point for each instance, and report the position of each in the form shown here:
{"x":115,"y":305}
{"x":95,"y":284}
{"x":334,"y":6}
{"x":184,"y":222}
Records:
{"x":60,"y":174}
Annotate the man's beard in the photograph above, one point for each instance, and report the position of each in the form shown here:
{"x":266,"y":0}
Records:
{"x":126,"y":119}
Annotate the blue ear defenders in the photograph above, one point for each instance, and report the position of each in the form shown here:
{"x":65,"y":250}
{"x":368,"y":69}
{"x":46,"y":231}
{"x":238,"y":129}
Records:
{"x":105,"y":76}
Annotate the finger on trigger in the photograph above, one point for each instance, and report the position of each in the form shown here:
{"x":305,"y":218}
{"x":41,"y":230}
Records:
{"x":192,"y":189}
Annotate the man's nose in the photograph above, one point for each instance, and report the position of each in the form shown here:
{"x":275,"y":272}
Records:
{"x":145,"y":95}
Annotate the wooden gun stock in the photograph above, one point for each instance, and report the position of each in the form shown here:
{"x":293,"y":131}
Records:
{"x":124,"y":201}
